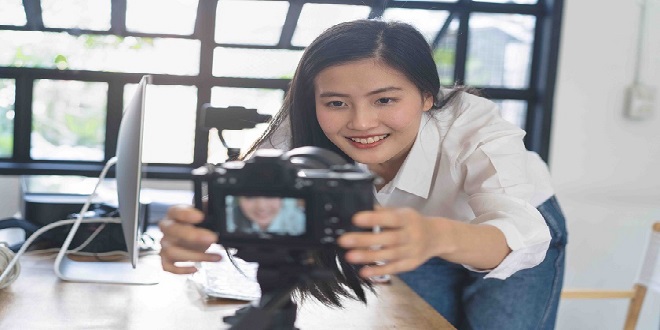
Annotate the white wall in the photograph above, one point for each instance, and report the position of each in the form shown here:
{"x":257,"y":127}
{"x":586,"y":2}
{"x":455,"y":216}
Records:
{"x":605,"y":167}
{"x":9,"y":205}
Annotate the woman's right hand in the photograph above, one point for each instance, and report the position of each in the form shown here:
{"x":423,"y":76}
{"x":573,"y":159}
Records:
{"x":183,"y":242}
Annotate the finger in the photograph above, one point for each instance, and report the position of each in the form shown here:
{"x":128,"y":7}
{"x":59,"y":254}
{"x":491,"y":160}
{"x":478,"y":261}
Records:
{"x":174,"y":254}
{"x":385,"y":218}
{"x":187,"y":235}
{"x":389,"y":268}
{"x":366,"y":240}
{"x":169,"y":266}
{"x":367,"y":256}
{"x":185,"y":214}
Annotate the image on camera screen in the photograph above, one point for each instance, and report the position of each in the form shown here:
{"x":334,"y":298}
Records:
{"x":265,"y":214}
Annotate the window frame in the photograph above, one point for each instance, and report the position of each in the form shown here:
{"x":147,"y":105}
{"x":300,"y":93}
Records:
{"x":538,"y":95}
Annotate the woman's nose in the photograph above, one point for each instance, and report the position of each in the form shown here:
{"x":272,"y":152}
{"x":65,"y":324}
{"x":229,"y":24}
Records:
{"x":363,"y":118}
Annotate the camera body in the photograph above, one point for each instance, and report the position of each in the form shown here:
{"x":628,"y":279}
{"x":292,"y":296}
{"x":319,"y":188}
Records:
{"x":301,"y":199}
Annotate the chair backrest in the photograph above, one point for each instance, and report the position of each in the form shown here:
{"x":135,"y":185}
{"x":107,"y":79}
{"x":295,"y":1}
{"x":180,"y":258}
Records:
{"x":649,"y":274}
{"x":648,"y":278}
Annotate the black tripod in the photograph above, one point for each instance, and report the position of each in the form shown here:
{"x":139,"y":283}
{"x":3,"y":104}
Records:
{"x":279,"y":273}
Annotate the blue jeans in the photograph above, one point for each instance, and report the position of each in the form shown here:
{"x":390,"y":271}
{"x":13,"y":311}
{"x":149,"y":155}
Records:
{"x":526,"y":300}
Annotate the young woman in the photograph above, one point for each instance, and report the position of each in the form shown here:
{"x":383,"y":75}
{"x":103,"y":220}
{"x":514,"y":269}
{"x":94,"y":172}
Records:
{"x":470,"y":219}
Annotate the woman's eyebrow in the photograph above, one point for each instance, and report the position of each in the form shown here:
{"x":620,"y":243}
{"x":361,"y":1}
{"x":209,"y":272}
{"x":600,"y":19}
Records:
{"x":373,"y":92}
{"x":384,"y":89}
{"x":332,"y":94}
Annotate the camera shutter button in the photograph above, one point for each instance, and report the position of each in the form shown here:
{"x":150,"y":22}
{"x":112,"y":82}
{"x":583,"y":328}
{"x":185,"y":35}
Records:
{"x":328,"y":239}
{"x":332,"y":221}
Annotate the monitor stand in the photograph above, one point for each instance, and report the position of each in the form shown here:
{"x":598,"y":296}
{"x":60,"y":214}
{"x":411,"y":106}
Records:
{"x":113,"y":272}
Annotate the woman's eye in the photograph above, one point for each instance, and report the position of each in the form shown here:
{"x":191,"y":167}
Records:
{"x":335,"y":103}
{"x":385,"y":100}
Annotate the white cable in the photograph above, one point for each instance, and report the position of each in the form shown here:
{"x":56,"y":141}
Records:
{"x":14,"y":259}
{"x":48,"y":253}
{"x":11,"y":267}
{"x":12,"y":271}
{"x":81,"y":215}
{"x":88,"y":240}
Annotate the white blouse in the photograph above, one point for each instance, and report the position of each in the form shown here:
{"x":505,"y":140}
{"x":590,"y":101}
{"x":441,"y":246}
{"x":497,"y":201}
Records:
{"x":469,"y":164}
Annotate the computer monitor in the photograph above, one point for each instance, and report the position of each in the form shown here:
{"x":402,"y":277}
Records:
{"x":128,"y":177}
{"x":129,"y":168}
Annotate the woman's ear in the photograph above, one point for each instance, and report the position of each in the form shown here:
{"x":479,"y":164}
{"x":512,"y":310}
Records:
{"x":427,"y":101}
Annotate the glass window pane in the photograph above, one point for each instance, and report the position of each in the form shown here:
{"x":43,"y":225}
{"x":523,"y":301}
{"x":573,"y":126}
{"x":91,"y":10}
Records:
{"x":169,"y":123}
{"x":99,"y":52}
{"x":7,"y":98}
{"x":266,"y":101}
{"x":250,"y":22}
{"x":499,"y":50}
{"x":444,"y":54}
{"x":255,"y":63}
{"x":427,"y":0}
{"x":82,"y":14}
{"x":428,"y":22}
{"x":161,"y":16}
{"x":12,"y":13}
{"x":509,"y":1}
{"x":316,"y":18}
{"x":514,"y":111}
{"x":68,"y":120}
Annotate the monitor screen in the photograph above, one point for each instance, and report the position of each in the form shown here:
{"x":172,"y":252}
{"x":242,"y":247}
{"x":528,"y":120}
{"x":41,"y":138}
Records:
{"x":129,"y":167}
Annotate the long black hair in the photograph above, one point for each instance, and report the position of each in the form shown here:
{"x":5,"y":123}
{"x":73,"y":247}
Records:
{"x":396,"y":44}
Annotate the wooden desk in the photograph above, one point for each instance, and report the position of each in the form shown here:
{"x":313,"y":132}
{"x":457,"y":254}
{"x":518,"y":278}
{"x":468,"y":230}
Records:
{"x":39,"y":300}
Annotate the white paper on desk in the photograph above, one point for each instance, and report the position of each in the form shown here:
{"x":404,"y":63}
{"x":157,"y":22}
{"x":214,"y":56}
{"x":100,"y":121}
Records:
{"x":224,"y":280}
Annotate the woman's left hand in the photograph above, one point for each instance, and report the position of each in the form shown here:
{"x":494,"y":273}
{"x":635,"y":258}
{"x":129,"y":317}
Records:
{"x":407,"y":239}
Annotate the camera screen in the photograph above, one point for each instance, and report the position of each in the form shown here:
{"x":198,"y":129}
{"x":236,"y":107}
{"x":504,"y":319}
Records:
{"x":265,"y":214}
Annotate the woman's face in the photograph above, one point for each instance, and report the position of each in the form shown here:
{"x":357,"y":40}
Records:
{"x":260,"y":210}
{"x":371,"y":111}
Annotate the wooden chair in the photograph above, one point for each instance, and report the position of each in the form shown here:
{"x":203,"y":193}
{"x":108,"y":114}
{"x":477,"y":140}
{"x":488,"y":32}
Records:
{"x":638,"y":292}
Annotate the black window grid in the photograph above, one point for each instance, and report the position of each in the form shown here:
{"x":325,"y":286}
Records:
{"x":538,"y":95}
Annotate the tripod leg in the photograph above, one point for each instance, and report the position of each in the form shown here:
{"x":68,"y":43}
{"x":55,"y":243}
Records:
{"x":273,"y":312}
{"x":285,"y":318}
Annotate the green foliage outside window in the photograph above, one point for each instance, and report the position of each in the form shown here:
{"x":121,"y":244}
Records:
{"x":69,"y":113}
{"x":444,"y":59}
{"x":6,"y":117}
{"x":62,"y":51}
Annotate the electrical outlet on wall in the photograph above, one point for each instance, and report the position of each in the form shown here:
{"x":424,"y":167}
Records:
{"x":640,"y":101}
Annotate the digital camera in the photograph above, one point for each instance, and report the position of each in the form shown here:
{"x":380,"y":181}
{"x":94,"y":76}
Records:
{"x":303,"y":198}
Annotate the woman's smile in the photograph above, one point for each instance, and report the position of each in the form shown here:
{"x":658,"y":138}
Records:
{"x":365,"y":142}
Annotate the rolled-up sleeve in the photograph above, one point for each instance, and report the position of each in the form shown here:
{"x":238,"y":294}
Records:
{"x":499,"y":189}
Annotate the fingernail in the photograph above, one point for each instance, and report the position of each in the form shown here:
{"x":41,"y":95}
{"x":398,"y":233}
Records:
{"x":358,"y":220}
{"x":346,"y":241}
{"x":353,"y":257}
{"x":208,"y":239}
